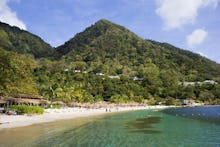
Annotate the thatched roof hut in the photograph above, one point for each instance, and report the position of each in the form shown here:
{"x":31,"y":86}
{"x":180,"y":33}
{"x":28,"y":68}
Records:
{"x":27,"y":99}
{"x":23,"y":101}
{"x":73,"y":104}
{"x":91,"y":105}
{"x":2,"y":101}
{"x":45,"y":102}
{"x":58,"y":103}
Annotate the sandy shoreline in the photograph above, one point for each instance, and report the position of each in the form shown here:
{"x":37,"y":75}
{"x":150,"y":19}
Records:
{"x":9,"y":121}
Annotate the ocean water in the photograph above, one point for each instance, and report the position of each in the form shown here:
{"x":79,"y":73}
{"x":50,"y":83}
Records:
{"x":190,"y":127}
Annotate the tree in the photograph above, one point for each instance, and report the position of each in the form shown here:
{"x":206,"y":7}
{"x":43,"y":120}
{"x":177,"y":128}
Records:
{"x":206,"y":96}
{"x":16,"y":74}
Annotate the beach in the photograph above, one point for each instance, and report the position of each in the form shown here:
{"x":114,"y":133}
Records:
{"x":12,"y":121}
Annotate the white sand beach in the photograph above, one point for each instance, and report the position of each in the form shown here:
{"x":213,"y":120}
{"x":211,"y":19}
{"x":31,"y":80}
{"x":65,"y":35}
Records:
{"x":12,"y":121}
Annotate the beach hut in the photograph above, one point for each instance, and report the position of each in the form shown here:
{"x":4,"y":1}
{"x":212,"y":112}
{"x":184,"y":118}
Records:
{"x":188,"y":102}
{"x":59,"y":103}
{"x":24,"y":99}
{"x":3,"y":104}
{"x":44,"y":103}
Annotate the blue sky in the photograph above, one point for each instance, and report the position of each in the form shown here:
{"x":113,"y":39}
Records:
{"x":188,"y":24}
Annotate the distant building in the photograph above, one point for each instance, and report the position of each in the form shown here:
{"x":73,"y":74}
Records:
{"x":137,"y":79}
{"x":197,"y":83}
{"x":187,"y":83}
{"x":66,"y":69}
{"x":210,"y":82}
{"x":188,"y":102}
{"x":76,"y":71}
{"x":99,"y":74}
{"x":85,"y":72}
{"x":114,"y":77}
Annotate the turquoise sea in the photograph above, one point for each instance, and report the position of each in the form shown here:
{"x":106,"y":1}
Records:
{"x":181,"y":127}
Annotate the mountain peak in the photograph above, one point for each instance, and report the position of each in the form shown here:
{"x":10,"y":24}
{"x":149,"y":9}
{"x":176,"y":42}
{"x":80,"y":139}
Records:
{"x":104,"y":32}
{"x":104,"y":24}
{"x":103,"y":21}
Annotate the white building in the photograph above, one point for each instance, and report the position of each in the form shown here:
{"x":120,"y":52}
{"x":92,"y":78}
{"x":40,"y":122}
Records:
{"x":66,"y":69}
{"x":210,"y":82}
{"x":99,"y":74}
{"x":197,"y":83}
{"x":76,"y":71}
{"x":114,"y":77}
{"x":137,"y":79}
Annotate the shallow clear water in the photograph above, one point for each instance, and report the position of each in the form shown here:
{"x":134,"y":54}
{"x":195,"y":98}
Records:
{"x":198,"y":126}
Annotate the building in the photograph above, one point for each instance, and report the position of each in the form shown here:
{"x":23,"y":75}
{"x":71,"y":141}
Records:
{"x":76,"y":71}
{"x":3,"y":103}
{"x":210,"y":82}
{"x":188,"y":102}
{"x":27,"y":99}
{"x":66,"y":69}
{"x":137,"y":79}
{"x":187,"y":83}
{"x":197,"y":83}
{"x":99,"y":74}
{"x":114,"y":77}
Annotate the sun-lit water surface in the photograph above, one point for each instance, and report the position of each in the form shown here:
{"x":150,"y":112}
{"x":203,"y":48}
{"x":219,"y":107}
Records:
{"x":198,"y":126}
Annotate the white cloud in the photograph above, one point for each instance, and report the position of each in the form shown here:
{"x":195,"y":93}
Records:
{"x":196,"y":37}
{"x":176,"y":13}
{"x":8,"y":16}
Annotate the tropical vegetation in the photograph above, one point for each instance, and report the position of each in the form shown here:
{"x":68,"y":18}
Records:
{"x":106,"y":62}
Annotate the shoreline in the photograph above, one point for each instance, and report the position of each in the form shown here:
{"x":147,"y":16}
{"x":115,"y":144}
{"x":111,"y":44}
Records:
{"x":50,"y":115}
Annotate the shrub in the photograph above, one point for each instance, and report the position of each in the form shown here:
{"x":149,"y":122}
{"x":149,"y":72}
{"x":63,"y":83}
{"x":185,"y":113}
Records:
{"x":152,"y":101}
{"x":138,"y":99}
{"x":24,"y":109}
{"x":119,"y":99}
{"x":98,"y":98}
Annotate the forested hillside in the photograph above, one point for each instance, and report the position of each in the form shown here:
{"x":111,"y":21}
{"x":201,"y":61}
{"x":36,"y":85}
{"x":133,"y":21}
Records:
{"x":20,"y":41}
{"x":112,"y":49}
{"x":105,"y":62}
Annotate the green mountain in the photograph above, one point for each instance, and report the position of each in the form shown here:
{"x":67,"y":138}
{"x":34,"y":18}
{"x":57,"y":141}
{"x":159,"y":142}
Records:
{"x":112,"y":49}
{"x":203,"y":65}
{"x":104,"y":62}
{"x":23,"y":42}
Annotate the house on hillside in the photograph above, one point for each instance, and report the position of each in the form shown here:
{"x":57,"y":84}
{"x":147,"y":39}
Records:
{"x":188,"y":102}
{"x":187,"y":83}
{"x":85,"y":72}
{"x":137,"y":79}
{"x":209,"y":82}
{"x":66,"y":69}
{"x":197,"y":83}
{"x":99,"y":74}
{"x":76,"y":71}
{"x":114,"y":77}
